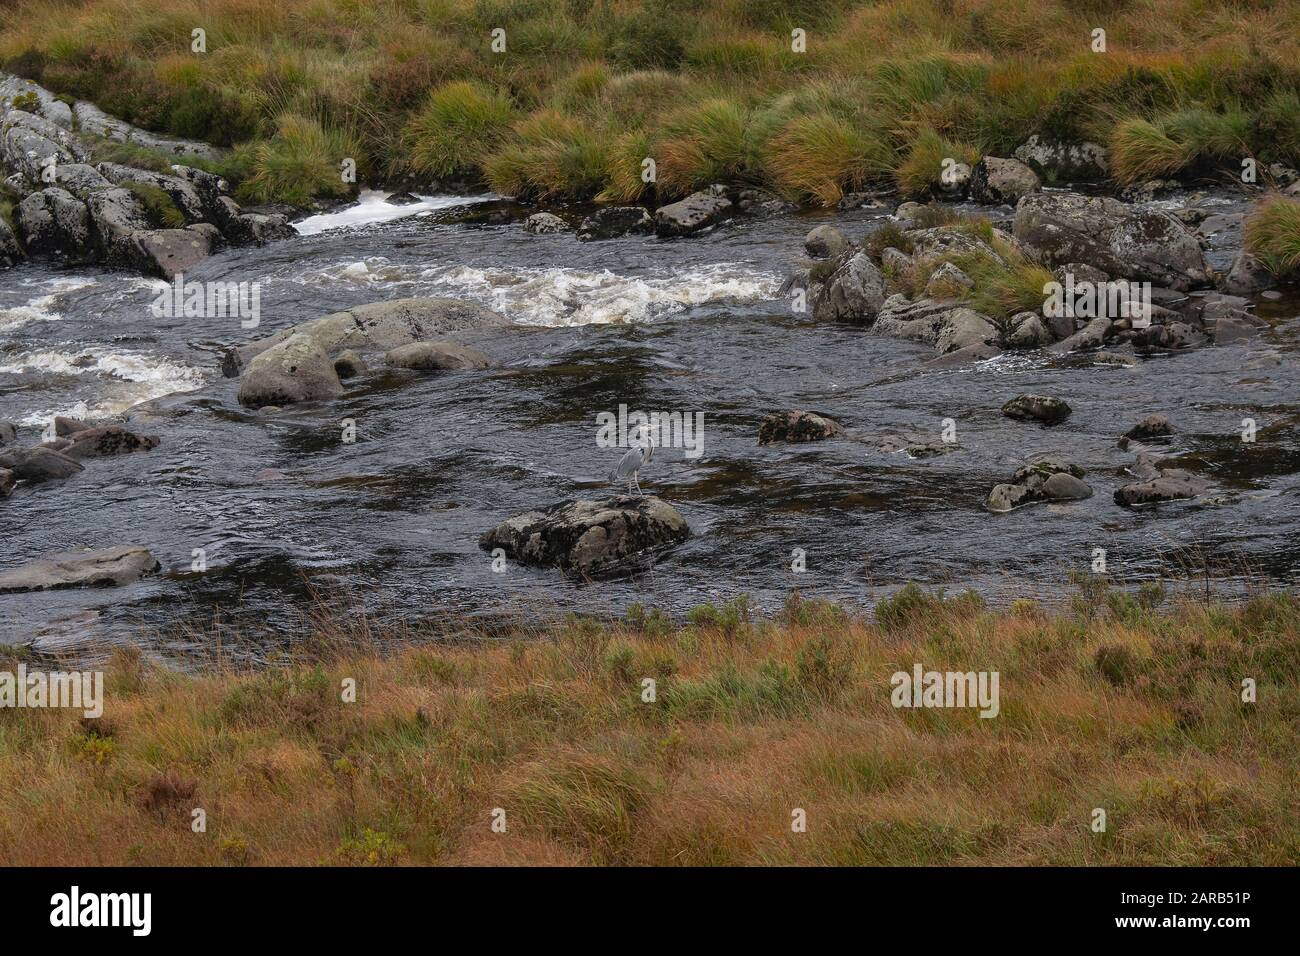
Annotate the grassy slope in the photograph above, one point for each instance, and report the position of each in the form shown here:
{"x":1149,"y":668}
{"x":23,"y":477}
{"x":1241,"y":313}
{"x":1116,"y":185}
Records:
{"x":709,"y":88}
{"x":1113,"y":704}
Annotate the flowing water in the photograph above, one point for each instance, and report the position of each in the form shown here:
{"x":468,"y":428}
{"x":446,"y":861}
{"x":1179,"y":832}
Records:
{"x":282,"y":506}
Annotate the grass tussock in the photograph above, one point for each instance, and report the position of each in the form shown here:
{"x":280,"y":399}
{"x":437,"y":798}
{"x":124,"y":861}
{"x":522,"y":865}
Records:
{"x":1273,"y":235}
{"x":649,"y":741}
{"x":716,"y":85}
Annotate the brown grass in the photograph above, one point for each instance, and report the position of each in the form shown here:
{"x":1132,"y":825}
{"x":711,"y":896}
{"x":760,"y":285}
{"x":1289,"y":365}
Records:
{"x":1111,"y":705}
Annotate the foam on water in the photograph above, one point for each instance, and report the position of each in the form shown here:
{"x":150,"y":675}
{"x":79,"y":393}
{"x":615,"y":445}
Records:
{"x":371,"y":207}
{"x":128,"y":378}
{"x":44,"y":307}
{"x":562,"y":296}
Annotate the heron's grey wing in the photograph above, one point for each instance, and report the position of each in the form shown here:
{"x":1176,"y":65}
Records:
{"x":629,"y":463}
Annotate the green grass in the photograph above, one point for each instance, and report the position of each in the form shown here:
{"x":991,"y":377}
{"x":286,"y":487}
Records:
{"x":458,"y":126}
{"x":301,"y":161}
{"x":160,"y":207}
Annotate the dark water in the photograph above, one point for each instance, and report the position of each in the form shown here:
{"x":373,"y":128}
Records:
{"x":393,"y":519}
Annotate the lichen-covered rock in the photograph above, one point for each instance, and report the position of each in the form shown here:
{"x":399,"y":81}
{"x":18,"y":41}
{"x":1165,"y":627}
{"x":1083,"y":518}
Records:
{"x":997,"y":180}
{"x":614,"y":221}
{"x":696,"y":212}
{"x":1171,"y":484}
{"x":797,"y":425}
{"x":1144,"y":245}
{"x":56,"y":224}
{"x":104,"y":440}
{"x":854,"y":292}
{"x":294,"y":370}
{"x":590,"y":539}
{"x":1061,"y":162}
{"x":545,"y":223}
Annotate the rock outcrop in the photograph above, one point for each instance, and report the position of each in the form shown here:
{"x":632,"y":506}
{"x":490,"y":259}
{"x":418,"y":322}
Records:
{"x":107,"y":567}
{"x":590,"y":539}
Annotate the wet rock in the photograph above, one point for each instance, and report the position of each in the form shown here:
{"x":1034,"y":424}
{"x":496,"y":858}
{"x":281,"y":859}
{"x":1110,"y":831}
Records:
{"x":38,"y":464}
{"x":8,"y":433}
{"x":1061,"y":162}
{"x":401,"y":199}
{"x":998,"y":180}
{"x":169,"y":252}
{"x":614,"y":221}
{"x":797,"y":426}
{"x":943,"y":324}
{"x":1038,"y":408}
{"x":65,"y":427}
{"x":377,"y":327}
{"x":590,"y":539}
{"x":826,"y":242}
{"x":1091,"y":336}
{"x":968,"y":353}
{"x":1170,"y":484}
{"x":1236,"y":327}
{"x":56,"y":224}
{"x":854,"y":292}
{"x":348,"y":364}
{"x":108,"y":567}
{"x":105,"y":440}
{"x":1028,"y":332}
{"x":1246,"y":276}
{"x":1142,"y":245}
{"x":915,"y":444}
{"x":1148,"y":191}
{"x":294,"y":370}
{"x":545,"y":223}
{"x":7,"y":481}
{"x":1042,"y":478}
{"x":435,"y":356}
{"x":256,"y":229}
{"x":693,"y":214}
{"x":1148,"y":429}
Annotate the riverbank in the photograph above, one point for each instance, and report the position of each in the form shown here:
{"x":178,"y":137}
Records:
{"x":1130,"y":704}
{"x":567,"y":103}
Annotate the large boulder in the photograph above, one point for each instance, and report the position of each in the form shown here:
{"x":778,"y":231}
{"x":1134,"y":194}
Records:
{"x":116,"y":215}
{"x":997,"y":180}
{"x":1145,"y":245}
{"x":545,"y":224}
{"x":854,"y":292}
{"x":108,"y":567}
{"x":56,"y":224}
{"x":696,"y":212}
{"x":294,"y":370}
{"x":797,"y":426}
{"x":28,"y":153}
{"x":826,"y":242}
{"x":1170,"y":484}
{"x":378,"y":327}
{"x":181,"y":192}
{"x":590,"y":538}
{"x":1061,"y":162}
{"x":167,"y":252}
{"x":35,"y":465}
{"x":1043,"y":478}
{"x":254,"y":229}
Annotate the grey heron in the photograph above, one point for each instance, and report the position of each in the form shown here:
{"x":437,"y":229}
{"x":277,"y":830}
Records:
{"x":634,"y":458}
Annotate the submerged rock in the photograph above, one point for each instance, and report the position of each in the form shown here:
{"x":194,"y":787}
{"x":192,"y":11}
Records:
{"x":797,"y":426}
{"x":105,"y":440}
{"x":109,"y":567}
{"x":1151,"y":427}
{"x":1170,"y":484}
{"x":38,"y":464}
{"x":590,"y":538}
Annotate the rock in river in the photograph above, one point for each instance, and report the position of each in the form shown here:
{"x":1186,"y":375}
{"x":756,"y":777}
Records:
{"x":435,"y":357}
{"x":1038,"y":408}
{"x":109,"y":567}
{"x":797,"y":426}
{"x":590,"y":538}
